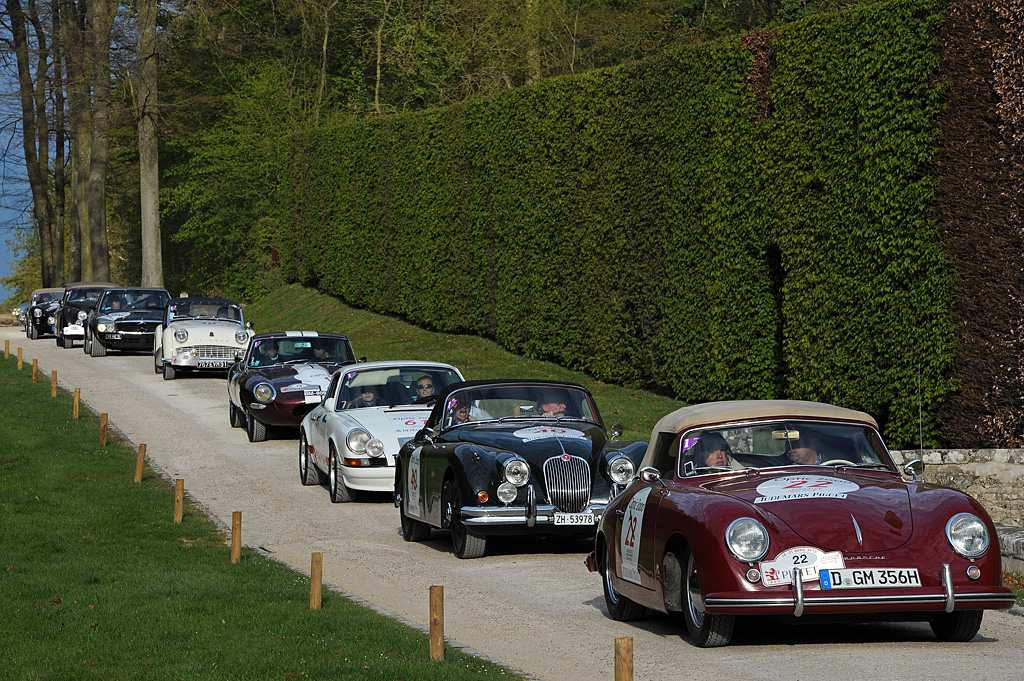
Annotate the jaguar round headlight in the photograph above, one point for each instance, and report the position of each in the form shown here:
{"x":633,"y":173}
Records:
{"x":241,"y":337}
{"x":180,"y":335}
{"x":37,"y":313}
{"x":82,"y":314}
{"x":357,"y":440}
{"x":620,"y":470}
{"x":507,"y":493}
{"x":264,"y":392}
{"x":517,"y":472}
{"x":747,"y":539}
{"x":375,"y":447}
{"x":967,"y":535}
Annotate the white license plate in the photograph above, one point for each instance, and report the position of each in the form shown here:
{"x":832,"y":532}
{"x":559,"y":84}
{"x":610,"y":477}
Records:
{"x":574,"y":519}
{"x":869,"y":578}
{"x":211,"y":364}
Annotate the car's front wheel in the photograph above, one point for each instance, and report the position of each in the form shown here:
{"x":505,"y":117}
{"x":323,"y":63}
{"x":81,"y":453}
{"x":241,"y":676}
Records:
{"x":309,"y":474}
{"x":706,"y":630}
{"x":412,"y":529}
{"x":256,"y":430}
{"x":33,"y":332}
{"x":957,"y":627}
{"x":169,"y":372}
{"x":235,"y":415}
{"x":620,"y":608}
{"x":340,"y":493}
{"x":96,"y":349}
{"x":465,"y":543}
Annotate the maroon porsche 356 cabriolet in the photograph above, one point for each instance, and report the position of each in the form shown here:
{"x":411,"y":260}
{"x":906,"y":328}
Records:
{"x":793,"y":509}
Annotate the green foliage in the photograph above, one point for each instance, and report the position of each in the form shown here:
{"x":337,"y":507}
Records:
{"x":99,"y":581}
{"x":644,"y":225}
{"x":25,"y":276}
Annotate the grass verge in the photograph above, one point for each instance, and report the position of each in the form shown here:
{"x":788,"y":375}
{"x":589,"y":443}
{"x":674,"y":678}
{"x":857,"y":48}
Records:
{"x":98,"y":581}
{"x":376,"y":337}
{"x":1015,"y":581}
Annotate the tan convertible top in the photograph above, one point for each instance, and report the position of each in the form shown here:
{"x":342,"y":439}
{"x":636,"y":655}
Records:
{"x":710,"y":413}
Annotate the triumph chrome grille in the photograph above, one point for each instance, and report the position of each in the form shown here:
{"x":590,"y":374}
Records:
{"x":568,"y":482}
{"x":215,"y":352}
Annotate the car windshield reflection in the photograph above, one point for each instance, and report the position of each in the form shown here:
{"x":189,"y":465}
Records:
{"x":394,"y":386}
{"x":518,"y":402}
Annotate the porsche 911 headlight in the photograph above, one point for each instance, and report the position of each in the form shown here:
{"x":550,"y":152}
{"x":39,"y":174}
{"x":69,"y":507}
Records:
{"x":375,"y":447}
{"x":517,"y":472}
{"x":620,"y":470}
{"x":180,"y":335}
{"x":747,"y":539}
{"x":241,"y":337}
{"x":967,"y":535}
{"x":82,"y":314}
{"x":357,"y":440}
{"x":264,"y":392}
{"x":37,"y":313}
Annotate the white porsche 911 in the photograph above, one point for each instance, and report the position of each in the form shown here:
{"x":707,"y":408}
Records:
{"x":368,"y":412}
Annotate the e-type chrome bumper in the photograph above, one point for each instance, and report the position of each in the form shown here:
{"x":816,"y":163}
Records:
{"x":947,"y":599}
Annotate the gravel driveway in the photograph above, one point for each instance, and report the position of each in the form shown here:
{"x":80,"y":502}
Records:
{"x":530,"y":604}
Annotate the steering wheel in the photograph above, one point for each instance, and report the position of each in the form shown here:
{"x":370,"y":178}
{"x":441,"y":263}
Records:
{"x":836,"y":462}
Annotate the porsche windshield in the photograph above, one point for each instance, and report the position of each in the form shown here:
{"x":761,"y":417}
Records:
{"x":299,"y":349}
{"x":525,"y":401}
{"x":778,"y":443}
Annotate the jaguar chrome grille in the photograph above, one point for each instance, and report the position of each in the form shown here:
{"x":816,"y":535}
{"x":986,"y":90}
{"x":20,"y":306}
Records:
{"x":215,"y":352}
{"x":568,"y":483}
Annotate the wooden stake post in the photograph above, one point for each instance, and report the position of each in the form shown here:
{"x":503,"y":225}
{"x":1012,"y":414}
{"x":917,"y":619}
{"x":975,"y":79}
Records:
{"x":179,"y":499}
{"x":624,"y":659}
{"x":7,"y":349}
{"x":103,"y":430}
{"x":437,"y":623}
{"x":316,"y":580}
{"x":35,"y":371}
{"x":236,"y":536}
{"x":139,"y":463}
{"x":53,"y":384}
{"x":78,"y":400}
{"x":19,"y":359}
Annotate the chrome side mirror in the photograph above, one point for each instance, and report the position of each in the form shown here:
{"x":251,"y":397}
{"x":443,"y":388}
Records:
{"x":650,"y":474}
{"x":617,"y":430}
{"x":915,"y":469}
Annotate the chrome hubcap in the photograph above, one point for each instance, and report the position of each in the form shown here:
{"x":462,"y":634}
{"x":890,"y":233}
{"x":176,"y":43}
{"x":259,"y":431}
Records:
{"x":693,"y":598}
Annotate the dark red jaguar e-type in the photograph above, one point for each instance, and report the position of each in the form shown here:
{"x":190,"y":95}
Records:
{"x":794,"y":509}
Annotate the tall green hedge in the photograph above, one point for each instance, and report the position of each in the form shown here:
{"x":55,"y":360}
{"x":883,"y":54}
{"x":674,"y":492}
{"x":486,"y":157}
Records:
{"x":645,"y":225}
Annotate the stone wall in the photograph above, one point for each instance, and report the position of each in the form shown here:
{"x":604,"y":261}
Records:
{"x":995,"y":477}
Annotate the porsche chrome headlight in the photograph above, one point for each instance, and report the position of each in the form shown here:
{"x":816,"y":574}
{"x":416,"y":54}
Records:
{"x":375,"y":447}
{"x":620,"y":470}
{"x":264,"y":392}
{"x":357,"y":440}
{"x":241,"y":337}
{"x":967,"y":535}
{"x":747,"y":539}
{"x":180,"y":335}
{"x":517,"y":472}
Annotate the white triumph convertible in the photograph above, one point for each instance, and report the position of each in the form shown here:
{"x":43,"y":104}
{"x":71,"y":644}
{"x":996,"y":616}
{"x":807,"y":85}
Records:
{"x":199,"y":334}
{"x":368,"y":412}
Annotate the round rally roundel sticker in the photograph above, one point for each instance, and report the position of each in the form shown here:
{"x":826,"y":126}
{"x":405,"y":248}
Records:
{"x":804,"y":487}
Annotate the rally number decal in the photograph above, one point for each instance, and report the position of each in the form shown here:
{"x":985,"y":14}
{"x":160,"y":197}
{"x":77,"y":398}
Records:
{"x":413,"y":485}
{"x":629,"y":535}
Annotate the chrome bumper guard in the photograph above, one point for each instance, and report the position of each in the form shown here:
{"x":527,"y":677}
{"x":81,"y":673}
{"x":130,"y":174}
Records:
{"x":799,"y":602}
{"x":530,"y":516}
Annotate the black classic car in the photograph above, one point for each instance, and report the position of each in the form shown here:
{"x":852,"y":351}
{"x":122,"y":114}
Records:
{"x":39,"y":316}
{"x":282,"y":377}
{"x":78,"y":301}
{"x":510,"y":457}
{"x":124,"y":319}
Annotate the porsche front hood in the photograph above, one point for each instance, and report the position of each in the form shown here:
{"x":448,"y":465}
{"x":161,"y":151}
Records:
{"x":837,"y":510}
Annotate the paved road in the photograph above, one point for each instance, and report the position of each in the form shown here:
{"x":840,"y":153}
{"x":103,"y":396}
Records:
{"x":529,"y":603}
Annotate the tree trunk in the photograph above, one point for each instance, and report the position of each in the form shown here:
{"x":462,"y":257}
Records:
{"x":80,"y":126}
{"x":36,"y":135}
{"x":101,"y":19}
{"x":59,"y":176}
{"x":149,"y":172}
